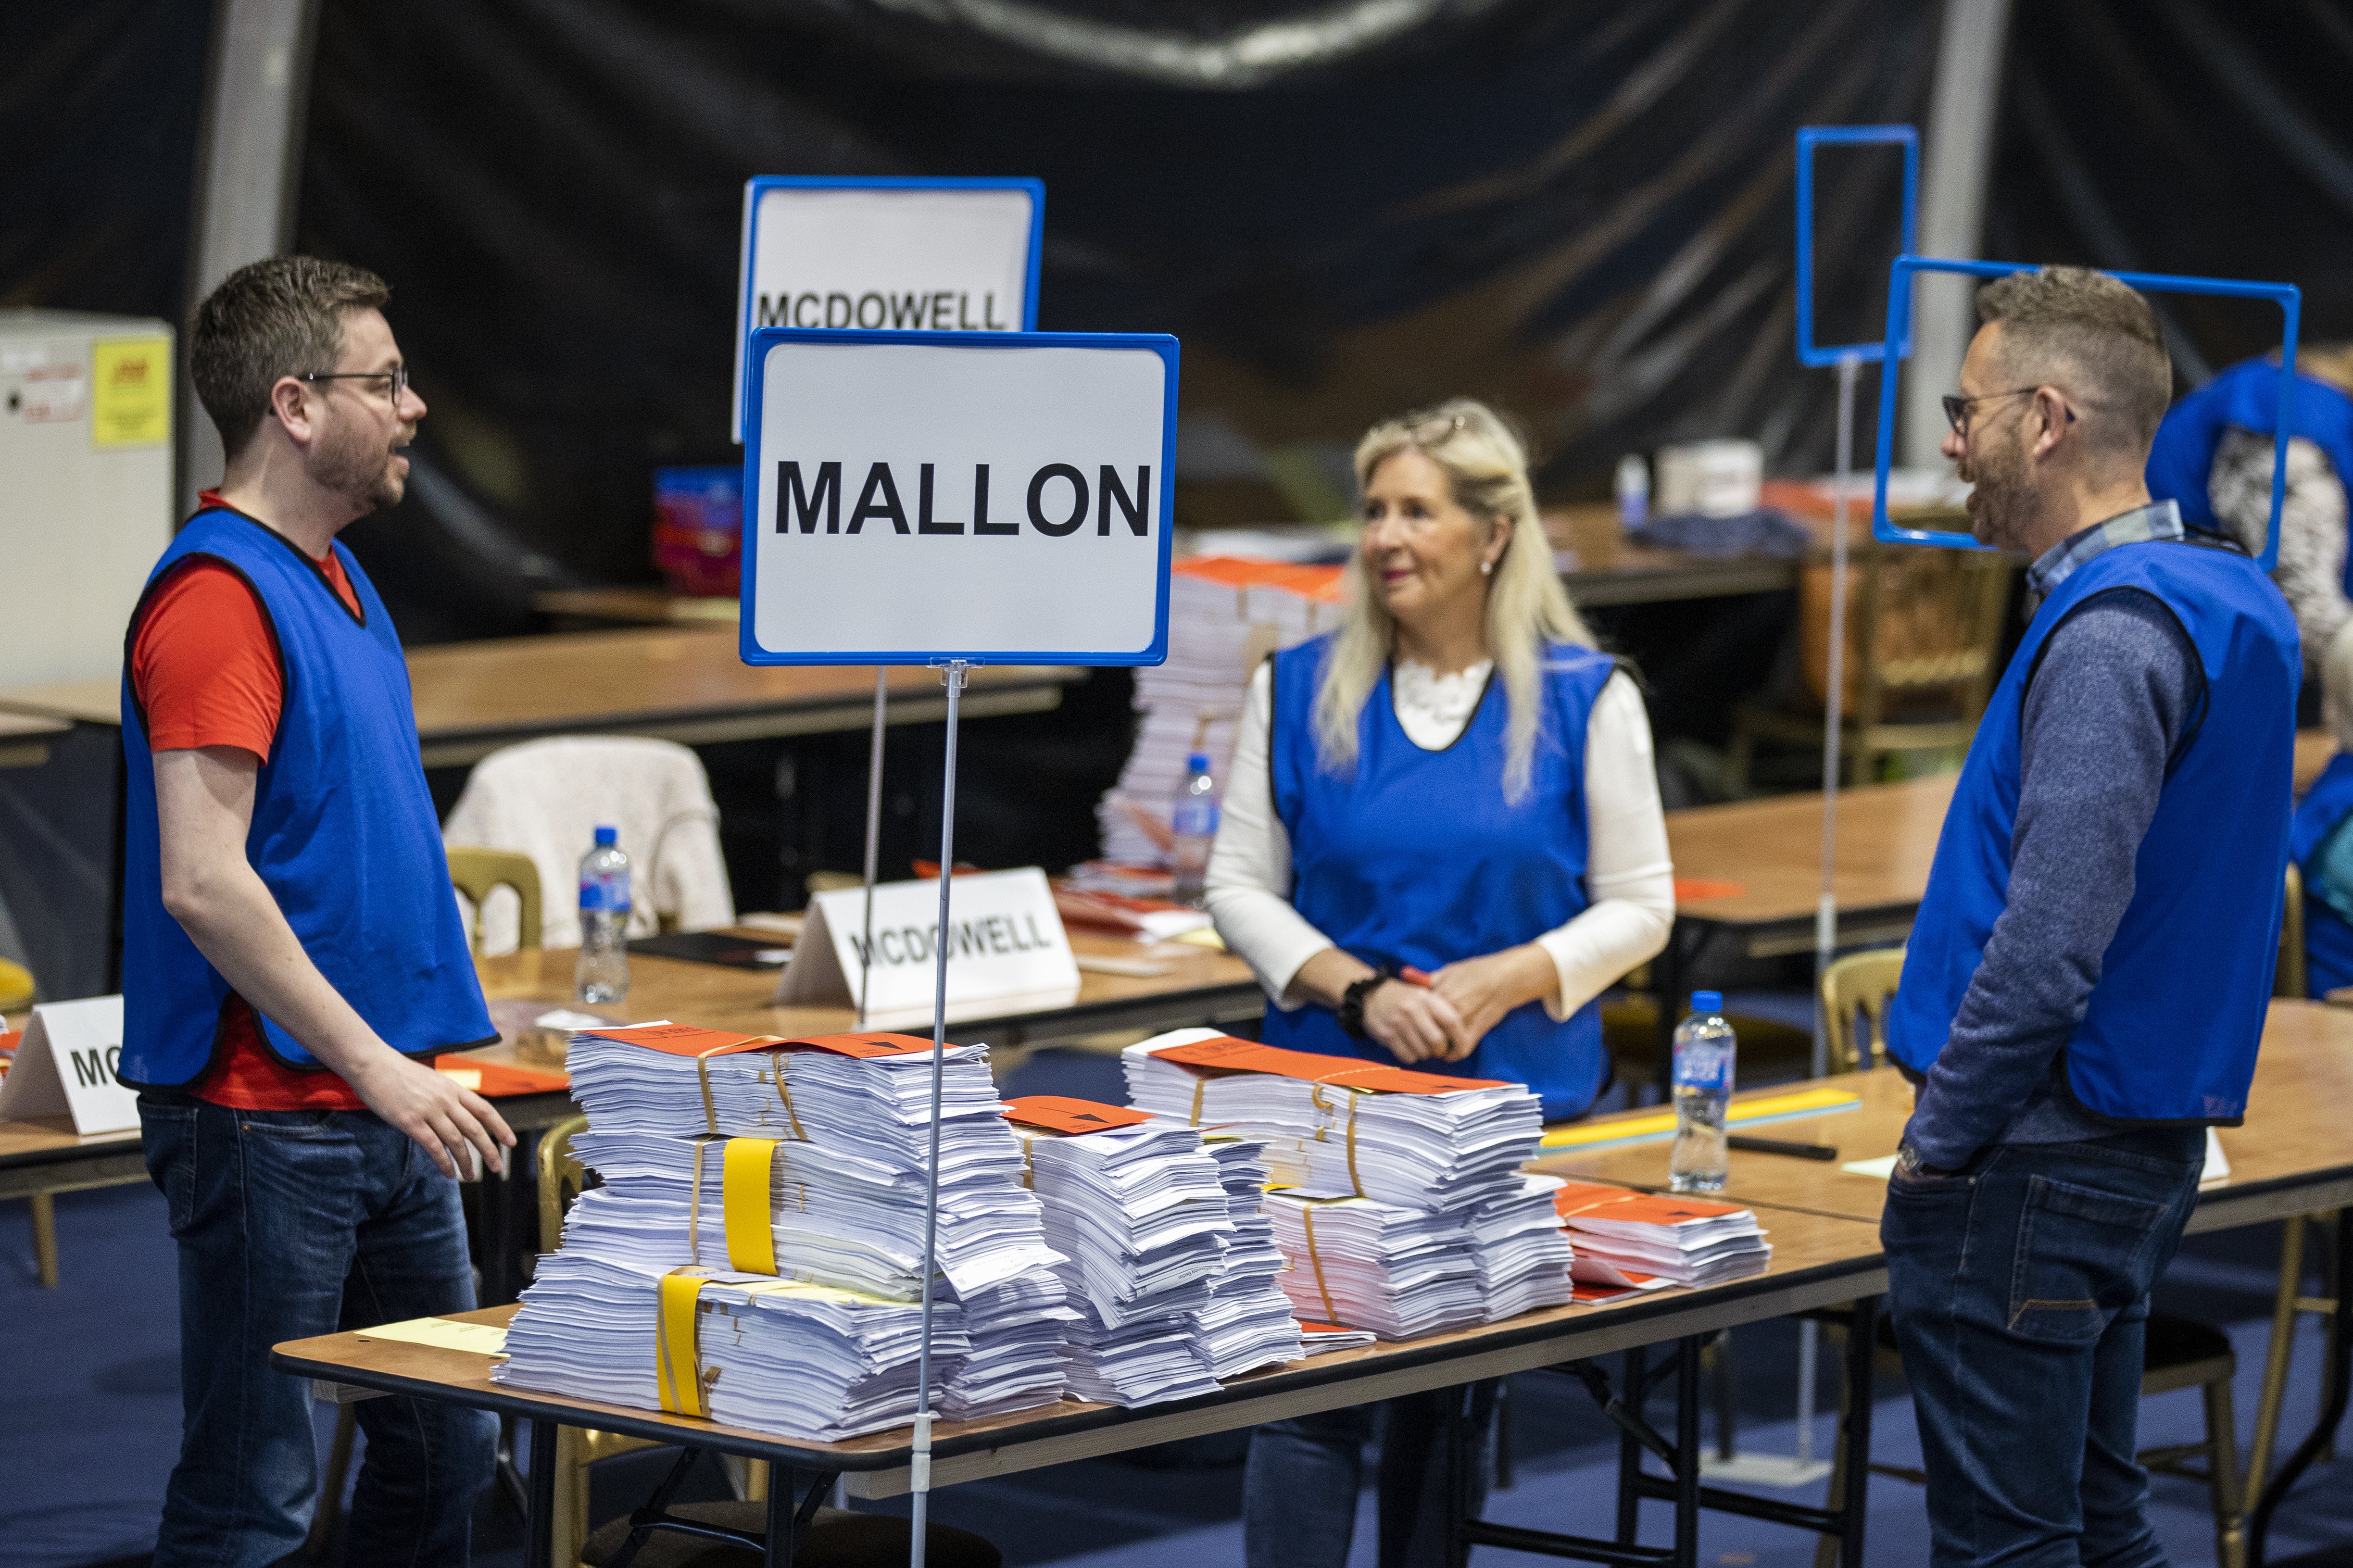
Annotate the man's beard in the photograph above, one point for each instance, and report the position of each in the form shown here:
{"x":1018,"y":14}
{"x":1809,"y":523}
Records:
{"x":360,"y":468}
{"x":2003,"y":506}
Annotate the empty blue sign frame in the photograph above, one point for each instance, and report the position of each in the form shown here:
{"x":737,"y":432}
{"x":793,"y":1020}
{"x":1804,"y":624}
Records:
{"x":2287,"y":296}
{"x":1808,"y":138}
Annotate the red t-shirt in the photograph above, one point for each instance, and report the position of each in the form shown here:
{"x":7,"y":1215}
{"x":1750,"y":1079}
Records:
{"x":205,"y":667}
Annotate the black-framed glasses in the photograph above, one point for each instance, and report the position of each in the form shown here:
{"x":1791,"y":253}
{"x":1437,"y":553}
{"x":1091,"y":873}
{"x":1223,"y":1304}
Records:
{"x":398,"y":378}
{"x":1957,"y":409}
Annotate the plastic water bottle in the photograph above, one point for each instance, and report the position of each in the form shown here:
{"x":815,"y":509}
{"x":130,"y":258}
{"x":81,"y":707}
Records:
{"x":1703,"y":1061}
{"x":603,"y":971}
{"x":1634,"y":491}
{"x":1193,"y":828}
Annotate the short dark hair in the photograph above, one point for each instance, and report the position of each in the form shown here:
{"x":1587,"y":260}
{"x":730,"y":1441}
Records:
{"x":2073,"y":324}
{"x":281,"y":316}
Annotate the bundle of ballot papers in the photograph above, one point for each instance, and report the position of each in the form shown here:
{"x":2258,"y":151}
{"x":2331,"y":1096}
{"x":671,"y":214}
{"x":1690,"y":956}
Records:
{"x":747,"y":1350}
{"x":1629,"y":1238}
{"x":1520,"y":1249}
{"x":801,"y":1163}
{"x":1142,"y":1215}
{"x":1249,"y":1321}
{"x":1401,"y":1272}
{"x":1225,"y":614}
{"x":1341,"y":1126}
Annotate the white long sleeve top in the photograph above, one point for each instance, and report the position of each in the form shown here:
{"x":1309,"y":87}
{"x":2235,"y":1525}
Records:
{"x":1629,"y":877}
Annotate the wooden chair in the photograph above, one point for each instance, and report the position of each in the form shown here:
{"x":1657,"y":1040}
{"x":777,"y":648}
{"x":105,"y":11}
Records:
{"x":475,"y":872}
{"x":2179,"y":1353}
{"x":1923,"y":638}
{"x":2291,"y":978}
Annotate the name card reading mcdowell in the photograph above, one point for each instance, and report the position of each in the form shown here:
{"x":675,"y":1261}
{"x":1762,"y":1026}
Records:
{"x":995,"y":497}
{"x":912,"y":254}
{"x":1005,"y":940}
{"x":66,"y":1067}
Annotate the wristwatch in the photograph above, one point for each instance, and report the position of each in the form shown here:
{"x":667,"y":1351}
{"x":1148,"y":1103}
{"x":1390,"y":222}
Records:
{"x":1351,"y":1000}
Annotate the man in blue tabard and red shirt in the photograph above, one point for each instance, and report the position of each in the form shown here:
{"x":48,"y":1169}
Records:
{"x":292,"y":955}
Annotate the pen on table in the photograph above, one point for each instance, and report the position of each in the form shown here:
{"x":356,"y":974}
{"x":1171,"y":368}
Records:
{"x":1776,"y":1146}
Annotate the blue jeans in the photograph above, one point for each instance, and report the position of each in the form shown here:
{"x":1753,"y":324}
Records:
{"x":2019,"y":1293}
{"x":293,"y":1223}
{"x":1299,"y":1489}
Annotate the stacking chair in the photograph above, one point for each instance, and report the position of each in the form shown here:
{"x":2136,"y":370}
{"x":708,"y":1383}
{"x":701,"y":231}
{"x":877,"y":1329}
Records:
{"x":2179,"y":1353}
{"x":16,"y":991}
{"x":477,"y":872}
{"x":1923,"y":640}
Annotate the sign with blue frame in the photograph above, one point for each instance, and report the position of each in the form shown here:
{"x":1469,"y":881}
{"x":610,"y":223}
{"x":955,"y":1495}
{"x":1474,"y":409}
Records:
{"x":1808,"y":138}
{"x":2287,"y":296}
{"x":888,"y":253}
{"x":1002,"y":498}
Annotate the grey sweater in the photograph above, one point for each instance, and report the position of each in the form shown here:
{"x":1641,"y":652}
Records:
{"x":2118,"y":692}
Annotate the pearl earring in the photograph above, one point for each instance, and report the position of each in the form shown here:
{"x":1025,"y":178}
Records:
{"x":1485,"y":567}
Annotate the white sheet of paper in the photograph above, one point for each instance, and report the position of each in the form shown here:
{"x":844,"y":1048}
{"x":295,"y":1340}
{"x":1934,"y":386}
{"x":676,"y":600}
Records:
{"x":1883,"y":1167}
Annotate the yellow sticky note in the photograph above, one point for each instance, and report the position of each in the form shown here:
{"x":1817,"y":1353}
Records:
{"x":444,"y":1333}
{"x":466,"y":1077}
{"x":131,"y":392}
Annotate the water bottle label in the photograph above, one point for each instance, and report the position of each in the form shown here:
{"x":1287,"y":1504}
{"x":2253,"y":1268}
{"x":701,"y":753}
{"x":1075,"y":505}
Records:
{"x":1194,"y":819}
{"x":1707,"y":1073}
{"x":607,"y":893}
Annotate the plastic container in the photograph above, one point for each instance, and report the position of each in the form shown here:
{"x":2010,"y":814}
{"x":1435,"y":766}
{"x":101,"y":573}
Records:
{"x":603,"y":972}
{"x":698,"y":541}
{"x":1193,"y":828}
{"x":1705,"y":1053}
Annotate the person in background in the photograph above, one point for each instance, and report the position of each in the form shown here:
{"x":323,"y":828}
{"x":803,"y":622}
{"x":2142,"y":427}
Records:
{"x":2321,"y":850}
{"x":293,"y":954}
{"x":2087,"y":979}
{"x":2213,"y":459}
{"x":1455,"y":782}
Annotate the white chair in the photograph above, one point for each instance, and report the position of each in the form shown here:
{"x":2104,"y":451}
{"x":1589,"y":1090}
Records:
{"x":546,"y":798}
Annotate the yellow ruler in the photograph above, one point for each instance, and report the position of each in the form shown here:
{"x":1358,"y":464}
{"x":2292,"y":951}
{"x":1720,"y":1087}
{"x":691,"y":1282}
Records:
{"x":1661,"y":1124}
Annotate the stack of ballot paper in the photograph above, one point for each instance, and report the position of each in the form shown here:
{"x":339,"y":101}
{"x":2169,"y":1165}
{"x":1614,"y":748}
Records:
{"x":1399,"y":1272}
{"x":1340,"y":1126}
{"x":801,"y":1163}
{"x":1318,"y":1337}
{"x":1142,"y":1215}
{"x":1247,"y":1322}
{"x":1225,"y":614}
{"x":1632,"y":1238}
{"x":1522,"y":1250}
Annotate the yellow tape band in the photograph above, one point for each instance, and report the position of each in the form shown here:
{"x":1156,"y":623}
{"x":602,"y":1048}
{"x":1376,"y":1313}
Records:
{"x":677,"y":1352}
{"x":1331,"y":1313}
{"x":745,"y":1186}
{"x":1199,"y":1086}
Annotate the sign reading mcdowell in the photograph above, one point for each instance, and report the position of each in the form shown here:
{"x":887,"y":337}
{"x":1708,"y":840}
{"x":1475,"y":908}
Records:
{"x":997,"y":496}
{"x":906,"y":254}
{"x":66,"y":1067}
{"x":1005,"y":940}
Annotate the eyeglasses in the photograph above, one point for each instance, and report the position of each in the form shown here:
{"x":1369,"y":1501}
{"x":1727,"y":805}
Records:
{"x":1957,"y":409}
{"x":398,"y":378}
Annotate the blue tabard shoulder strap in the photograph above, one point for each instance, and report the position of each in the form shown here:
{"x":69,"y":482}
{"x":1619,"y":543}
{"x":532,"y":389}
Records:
{"x":1415,"y":857}
{"x":2168,"y":1034}
{"x":344,"y":832}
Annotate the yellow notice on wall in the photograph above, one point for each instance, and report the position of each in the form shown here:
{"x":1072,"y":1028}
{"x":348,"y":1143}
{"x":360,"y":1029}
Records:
{"x":131,"y":392}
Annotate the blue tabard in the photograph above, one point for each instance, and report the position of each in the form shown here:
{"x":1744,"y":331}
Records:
{"x":2168,"y":1033}
{"x":2327,"y":939}
{"x":1415,"y":859}
{"x":2245,"y":396}
{"x":343,"y":836}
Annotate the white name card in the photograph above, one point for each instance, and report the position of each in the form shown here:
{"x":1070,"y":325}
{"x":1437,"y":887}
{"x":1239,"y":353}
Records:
{"x":1006,"y":941}
{"x":914,"y":254}
{"x":66,"y":1065}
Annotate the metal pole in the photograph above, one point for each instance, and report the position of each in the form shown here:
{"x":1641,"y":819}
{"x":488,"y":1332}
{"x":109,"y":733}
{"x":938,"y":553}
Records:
{"x":1826,"y":909}
{"x":920,"y":1468}
{"x":874,"y":830}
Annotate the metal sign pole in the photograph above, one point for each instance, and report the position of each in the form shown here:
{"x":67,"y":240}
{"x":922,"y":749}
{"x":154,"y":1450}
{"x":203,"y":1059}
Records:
{"x":920,"y":1468}
{"x":874,"y":830}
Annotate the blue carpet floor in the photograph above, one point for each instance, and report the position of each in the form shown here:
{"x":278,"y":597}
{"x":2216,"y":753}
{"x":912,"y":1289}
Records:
{"x":89,"y":1423}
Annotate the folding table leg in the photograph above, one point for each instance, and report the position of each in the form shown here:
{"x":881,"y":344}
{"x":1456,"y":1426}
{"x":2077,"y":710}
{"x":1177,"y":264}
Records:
{"x":539,"y":1519}
{"x":1861,"y":1355}
{"x":1687,"y":1401}
{"x":1629,"y":1452}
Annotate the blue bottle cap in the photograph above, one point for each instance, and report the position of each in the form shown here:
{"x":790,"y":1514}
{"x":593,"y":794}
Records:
{"x":1198,"y":763}
{"x":1707,"y":1002}
{"x":606,"y":836}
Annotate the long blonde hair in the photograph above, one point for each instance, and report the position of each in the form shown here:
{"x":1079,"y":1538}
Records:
{"x":1486,"y":465}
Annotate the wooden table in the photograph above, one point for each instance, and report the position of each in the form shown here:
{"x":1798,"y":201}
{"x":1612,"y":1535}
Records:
{"x":684,"y":683}
{"x":1599,"y":568}
{"x":25,"y":739}
{"x":1818,"y":1261}
{"x":1757,"y":867}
